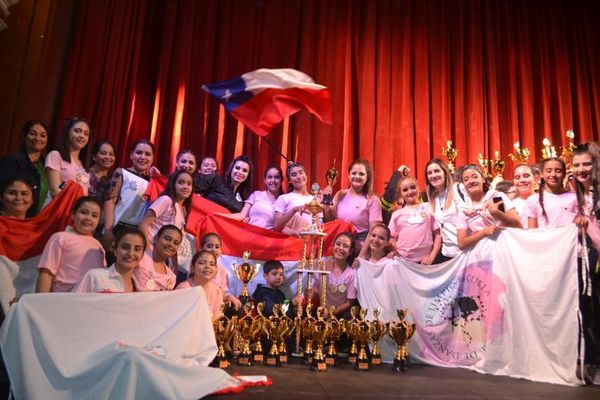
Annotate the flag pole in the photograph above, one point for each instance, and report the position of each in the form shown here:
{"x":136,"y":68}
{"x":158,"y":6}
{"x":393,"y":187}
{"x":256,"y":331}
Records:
{"x":274,"y":148}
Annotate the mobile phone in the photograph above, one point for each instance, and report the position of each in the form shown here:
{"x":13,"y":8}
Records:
{"x":498,"y":200}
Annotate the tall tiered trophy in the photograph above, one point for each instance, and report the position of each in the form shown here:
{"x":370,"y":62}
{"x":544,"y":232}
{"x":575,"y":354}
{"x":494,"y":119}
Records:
{"x":520,"y":155}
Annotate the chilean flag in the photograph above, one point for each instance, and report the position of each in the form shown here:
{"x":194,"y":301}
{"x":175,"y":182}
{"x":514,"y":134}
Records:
{"x":263,"y":98}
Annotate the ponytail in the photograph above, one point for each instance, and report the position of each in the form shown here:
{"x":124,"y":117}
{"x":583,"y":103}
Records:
{"x":541,"y":198}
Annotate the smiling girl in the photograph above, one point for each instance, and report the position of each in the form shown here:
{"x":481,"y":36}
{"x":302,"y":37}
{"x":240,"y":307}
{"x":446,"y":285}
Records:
{"x":204,"y":269}
{"x":154,"y":272}
{"x":413,"y":228}
{"x":68,"y":255}
{"x":357,"y":204}
{"x":485,"y":211}
{"x":376,"y":245}
{"x":70,"y":159}
{"x":523,"y":182}
{"x":103,"y":158}
{"x":129,"y":249}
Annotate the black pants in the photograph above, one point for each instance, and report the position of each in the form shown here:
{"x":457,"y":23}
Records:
{"x":589,"y":308}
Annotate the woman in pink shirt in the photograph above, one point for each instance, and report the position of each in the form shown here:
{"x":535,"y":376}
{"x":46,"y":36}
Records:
{"x":484,"y":211}
{"x":204,"y":269}
{"x":357,"y":204}
{"x":413,"y":227}
{"x":154,"y":274}
{"x":259,"y":207}
{"x":129,"y":249}
{"x":71,"y":158}
{"x":212,"y":242}
{"x":68,"y":255}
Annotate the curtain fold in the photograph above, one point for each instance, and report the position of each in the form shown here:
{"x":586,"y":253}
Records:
{"x":405,"y":77}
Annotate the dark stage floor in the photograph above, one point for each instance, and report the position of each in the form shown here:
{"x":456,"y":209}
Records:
{"x":296,"y":381}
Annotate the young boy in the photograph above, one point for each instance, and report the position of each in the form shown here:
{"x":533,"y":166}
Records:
{"x":270,"y":293}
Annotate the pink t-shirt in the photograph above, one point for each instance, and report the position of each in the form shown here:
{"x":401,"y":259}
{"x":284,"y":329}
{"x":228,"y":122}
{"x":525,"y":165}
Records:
{"x":68,"y":255}
{"x":359,"y":210}
{"x":262,"y":212}
{"x":340,"y":289}
{"x":166,"y":214}
{"x":561,"y":209}
{"x":151,"y":281}
{"x":214,"y":295}
{"x":522,"y":209}
{"x":68,"y":171}
{"x":290,"y":200}
{"x":478,"y":217}
{"x":221,"y":279}
{"x":103,"y":280}
{"x":413,"y":227}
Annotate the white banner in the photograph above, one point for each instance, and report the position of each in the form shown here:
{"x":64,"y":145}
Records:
{"x":507,"y":307}
{"x":124,"y":346}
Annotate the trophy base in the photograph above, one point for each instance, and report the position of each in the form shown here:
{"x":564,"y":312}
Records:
{"x":352,"y":359}
{"x":400,"y":365}
{"x":273,"y":361}
{"x":330,"y":361}
{"x":319,"y":366}
{"x":258,"y":358}
{"x":220,"y":362}
{"x":362,"y":364}
{"x":244,"y":361}
{"x":283,"y":359}
{"x":375,"y":360}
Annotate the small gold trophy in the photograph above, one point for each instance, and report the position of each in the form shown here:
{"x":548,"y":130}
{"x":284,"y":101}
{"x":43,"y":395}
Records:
{"x":520,"y":155}
{"x":306,"y":324}
{"x":331,"y":177}
{"x":320,"y":333}
{"x":401,"y":331}
{"x":498,"y":164}
{"x":349,"y":328}
{"x":548,"y":151}
{"x":377,"y":332}
{"x":450,"y":153}
{"x":289,"y":324}
{"x":567,"y":152}
{"x":276,"y":327}
{"x":258,"y":332}
{"x":362,"y":333}
{"x":223,"y":328}
{"x":484,"y":164}
{"x":245,"y":273}
{"x":246,"y":329}
{"x":336,"y":329}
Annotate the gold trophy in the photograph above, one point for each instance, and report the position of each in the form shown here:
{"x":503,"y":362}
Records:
{"x":349,"y":328}
{"x":258,"y":332}
{"x":245,"y":273}
{"x":319,"y":333}
{"x":401,"y":331}
{"x":278,"y":325}
{"x":362,"y":333}
{"x":450,"y":153}
{"x":548,"y":151}
{"x":247,"y":327}
{"x":484,"y":164}
{"x":331,"y":177}
{"x":520,"y":155}
{"x":377,"y":332}
{"x":306,"y":323}
{"x":497,"y":164}
{"x":290,"y":324}
{"x":567,"y":152}
{"x":224,"y":328}
{"x":337,"y":328}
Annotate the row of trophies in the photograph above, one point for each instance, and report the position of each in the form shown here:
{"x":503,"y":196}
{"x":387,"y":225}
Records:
{"x":495,"y":167}
{"x":320,"y":332}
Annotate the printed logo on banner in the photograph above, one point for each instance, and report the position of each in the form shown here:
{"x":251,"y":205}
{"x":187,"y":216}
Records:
{"x":462,"y":316}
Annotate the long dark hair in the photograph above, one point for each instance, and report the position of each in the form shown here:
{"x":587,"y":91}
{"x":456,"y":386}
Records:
{"x":27,"y":128}
{"x":244,"y":188}
{"x":170,"y":191}
{"x":543,"y":182}
{"x":594,"y":151}
{"x":367,"y":189}
{"x":288,"y":170}
{"x":280,"y":172}
{"x":430,"y":190}
{"x":351,"y":256}
{"x":62,"y":145}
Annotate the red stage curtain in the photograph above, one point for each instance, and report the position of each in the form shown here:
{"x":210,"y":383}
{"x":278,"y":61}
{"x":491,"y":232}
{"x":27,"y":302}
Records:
{"x":405,"y":76}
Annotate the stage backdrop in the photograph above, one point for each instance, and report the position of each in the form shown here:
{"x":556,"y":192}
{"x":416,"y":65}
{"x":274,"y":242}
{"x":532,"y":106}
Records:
{"x":405,"y":76}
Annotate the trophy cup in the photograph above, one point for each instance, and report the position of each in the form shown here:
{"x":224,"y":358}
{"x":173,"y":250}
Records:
{"x":246,"y":327}
{"x":450,"y":154}
{"x":401,"y":331}
{"x":306,"y":323}
{"x":520,"y":155}
{"x":223,"y":328}
{"x":258,"y":332}
{"x":497,"y":164}
{"x":331,"y":177}
{"x":362,"y":333}
{"x":320,"y":333}
{"x":245,"y":273}
{"x":349,"y":328}
{"x":377,"y":332}
{"x":289,"y":324}
{"x":548,"y":151}
{"x":484,"y":164}
{"x":567,"y":152}
{"x":337,"y":328}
